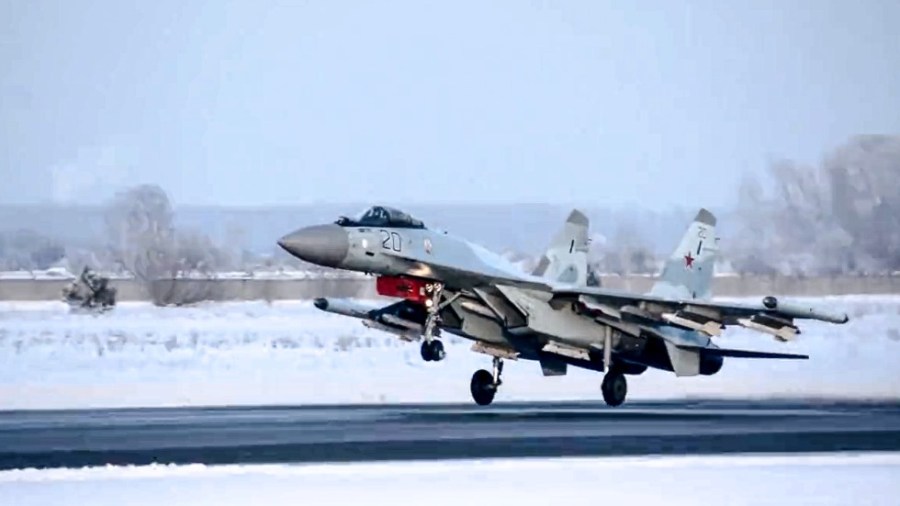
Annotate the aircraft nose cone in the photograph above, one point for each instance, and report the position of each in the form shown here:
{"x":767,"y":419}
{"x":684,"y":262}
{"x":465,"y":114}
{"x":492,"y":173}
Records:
{"x":325,"y":245}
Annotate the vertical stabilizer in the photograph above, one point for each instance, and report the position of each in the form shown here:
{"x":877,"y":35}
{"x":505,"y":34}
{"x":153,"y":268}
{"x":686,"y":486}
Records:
{"x":688,"y":272}
{"x":565,"y":261}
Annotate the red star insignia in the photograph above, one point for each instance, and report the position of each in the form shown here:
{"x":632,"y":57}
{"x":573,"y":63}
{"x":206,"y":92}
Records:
{"x":689,"y":261}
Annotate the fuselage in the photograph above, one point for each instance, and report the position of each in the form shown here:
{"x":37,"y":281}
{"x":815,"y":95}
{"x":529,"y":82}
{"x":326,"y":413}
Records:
{"x":393,"y":251}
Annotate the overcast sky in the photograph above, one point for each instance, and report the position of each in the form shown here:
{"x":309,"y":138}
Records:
{"x":263,"y":102}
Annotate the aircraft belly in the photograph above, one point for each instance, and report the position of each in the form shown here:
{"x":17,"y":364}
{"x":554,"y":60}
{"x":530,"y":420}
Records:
{"x":566,"y":327}
{"x":483,"y":329}
{"x":563,"y":325}
{"x":628,"y":344}
{"x":553,"y":365}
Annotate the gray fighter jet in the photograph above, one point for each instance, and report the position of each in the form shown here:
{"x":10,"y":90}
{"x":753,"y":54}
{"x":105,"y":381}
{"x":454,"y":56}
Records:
{"x":549,"y":315}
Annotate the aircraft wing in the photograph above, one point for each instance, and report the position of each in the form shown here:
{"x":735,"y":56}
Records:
{"x":771,"y":316}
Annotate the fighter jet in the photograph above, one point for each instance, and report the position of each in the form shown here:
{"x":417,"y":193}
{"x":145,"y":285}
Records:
{"x":445,"y":283}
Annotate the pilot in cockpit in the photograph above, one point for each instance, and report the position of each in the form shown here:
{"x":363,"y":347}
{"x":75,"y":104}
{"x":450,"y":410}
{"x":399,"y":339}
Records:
{"x":380,"y":216}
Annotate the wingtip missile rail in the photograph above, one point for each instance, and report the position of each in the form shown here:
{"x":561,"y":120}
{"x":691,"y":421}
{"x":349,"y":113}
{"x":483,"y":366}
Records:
{"x":799,"y":311}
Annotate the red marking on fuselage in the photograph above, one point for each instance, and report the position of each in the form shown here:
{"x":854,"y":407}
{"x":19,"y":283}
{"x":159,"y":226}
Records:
{"x":408,"y":288}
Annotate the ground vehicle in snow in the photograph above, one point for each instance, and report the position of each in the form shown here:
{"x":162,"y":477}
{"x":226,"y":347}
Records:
{"x":90,"y":292}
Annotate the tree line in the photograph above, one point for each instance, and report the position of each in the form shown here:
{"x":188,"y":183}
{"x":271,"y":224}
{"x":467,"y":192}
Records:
{"x":839,"y":216}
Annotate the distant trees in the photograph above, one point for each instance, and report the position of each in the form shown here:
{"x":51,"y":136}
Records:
{"x":25,"y":249}
{"x":865,"y":185}
{"x":838,"y":216}
{"x":143,"y":239}
{"x":139,"y":224}
{"x":626,"y":253}
{"x":842,"y":216}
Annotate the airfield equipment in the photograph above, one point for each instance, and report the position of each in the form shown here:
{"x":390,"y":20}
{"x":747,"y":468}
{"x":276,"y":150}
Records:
{"x":90,"y":292}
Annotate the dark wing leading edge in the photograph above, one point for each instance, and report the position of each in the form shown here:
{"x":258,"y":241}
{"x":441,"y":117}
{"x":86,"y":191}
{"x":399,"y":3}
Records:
{"x":724,"y":352}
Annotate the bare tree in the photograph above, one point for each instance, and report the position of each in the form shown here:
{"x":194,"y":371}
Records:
{"x":139,"y":223}
{"x":754,"y":215}
{"x":843,"y":216}
{"x":627,"y":252}
{"x":174,"y":267}
{"x":865,"y":180}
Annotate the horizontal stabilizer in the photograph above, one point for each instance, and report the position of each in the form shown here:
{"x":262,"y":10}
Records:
{"x":722,"y":352}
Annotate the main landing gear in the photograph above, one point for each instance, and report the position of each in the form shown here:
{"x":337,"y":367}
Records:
{"x":614,"y":387}
{"x":432,"y":348}
{"x":484,"y":384}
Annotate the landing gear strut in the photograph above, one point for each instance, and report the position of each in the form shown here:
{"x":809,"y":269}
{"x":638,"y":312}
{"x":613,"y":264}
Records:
{"x":432,"y":308}
{"x":484,"y":384}
{"x":432,"y":348}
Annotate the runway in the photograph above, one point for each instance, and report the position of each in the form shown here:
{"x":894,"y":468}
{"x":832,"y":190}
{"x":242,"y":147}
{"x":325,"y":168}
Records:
{"x":231,"y":435}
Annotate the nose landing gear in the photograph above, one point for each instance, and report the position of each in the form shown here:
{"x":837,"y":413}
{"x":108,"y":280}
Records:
{"x":432,"y":348}
{"x":433,"y":351}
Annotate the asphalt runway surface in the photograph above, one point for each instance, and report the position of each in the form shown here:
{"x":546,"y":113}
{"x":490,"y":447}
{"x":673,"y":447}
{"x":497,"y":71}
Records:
{"x":231,"y":435}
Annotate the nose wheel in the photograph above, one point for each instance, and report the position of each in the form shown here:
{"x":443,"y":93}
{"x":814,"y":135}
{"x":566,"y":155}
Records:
{"x":432,"y":348}
{"x":433,"y":351}
{"x":485,"y":383}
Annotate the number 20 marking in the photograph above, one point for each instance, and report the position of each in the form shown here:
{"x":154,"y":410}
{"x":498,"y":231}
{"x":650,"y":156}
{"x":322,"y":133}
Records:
{"x":390,"y":237}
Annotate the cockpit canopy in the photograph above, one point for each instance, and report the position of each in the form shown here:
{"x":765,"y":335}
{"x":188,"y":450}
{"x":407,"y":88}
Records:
{"x":381,"y":216}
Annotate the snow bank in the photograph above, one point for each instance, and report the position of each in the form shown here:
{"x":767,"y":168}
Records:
{"x":292,"y":353}
{"x":736,"y":480}
{"x":53,"y":273}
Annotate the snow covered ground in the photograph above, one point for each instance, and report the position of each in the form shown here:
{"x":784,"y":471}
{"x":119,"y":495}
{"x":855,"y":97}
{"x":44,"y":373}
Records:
{"x":56,"y":273}
{"x":824,"y":479}
{"x":290,"y":352}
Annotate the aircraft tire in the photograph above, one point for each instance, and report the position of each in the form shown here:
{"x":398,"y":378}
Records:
{"x":437,"y":350}
{"x":614,"y":388}
{"x":425,"y":351}
{"x":482,"y":387}
{"x":432,"y":351}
